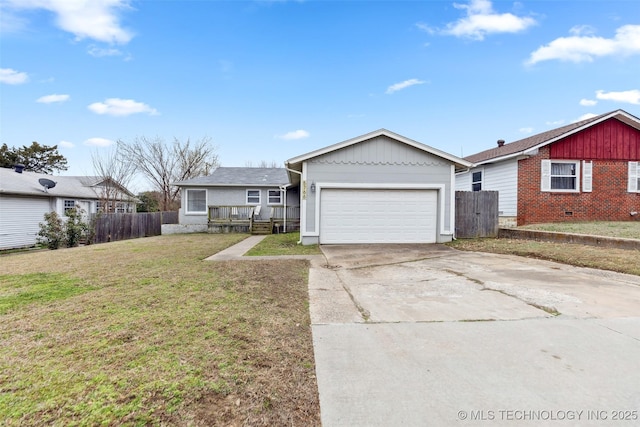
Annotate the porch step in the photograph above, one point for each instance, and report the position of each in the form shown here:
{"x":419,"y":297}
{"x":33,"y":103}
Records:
{"x":261,"y":227}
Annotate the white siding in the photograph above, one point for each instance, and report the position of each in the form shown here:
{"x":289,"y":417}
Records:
{"x":463,"y":181}
{"x":503,"y":178}
{"x":19,"y":220}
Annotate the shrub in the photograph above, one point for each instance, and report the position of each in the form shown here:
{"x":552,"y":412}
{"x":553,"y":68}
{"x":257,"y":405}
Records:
{"x":52,"y":231}
{"x":75,"y":229}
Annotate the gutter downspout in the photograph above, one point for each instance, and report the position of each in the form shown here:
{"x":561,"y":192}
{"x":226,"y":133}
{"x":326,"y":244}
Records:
{"x":286,"y":167}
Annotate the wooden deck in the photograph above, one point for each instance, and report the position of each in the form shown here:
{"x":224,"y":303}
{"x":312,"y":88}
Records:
{"x":248,"y":219}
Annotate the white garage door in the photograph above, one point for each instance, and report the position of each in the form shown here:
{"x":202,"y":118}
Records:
{"x":19,"y":220}
{"x":378,"y":216}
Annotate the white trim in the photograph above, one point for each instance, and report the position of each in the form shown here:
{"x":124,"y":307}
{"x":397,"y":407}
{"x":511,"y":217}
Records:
{"x":379,"y":186}
{"x":452,"y":206}
{"x":481,"y":171}
{"x":303,"y":201}
{"x":186,"y":202}
{"x":545,"y":180}
{"x":633,"y":177}
{"x":246,"y":199}
{"x":379,"y":132}
{"x":280,"y":191}
{"x":587,"y":176}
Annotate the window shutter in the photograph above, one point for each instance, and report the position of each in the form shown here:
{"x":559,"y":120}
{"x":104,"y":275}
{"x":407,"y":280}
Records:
{"x":587,"y":176}
{"x":545,"y":179}
{"x":632,"y":186}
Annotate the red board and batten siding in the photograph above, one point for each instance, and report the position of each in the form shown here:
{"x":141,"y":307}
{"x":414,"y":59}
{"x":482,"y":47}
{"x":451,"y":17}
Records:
{"x":609,"y":140}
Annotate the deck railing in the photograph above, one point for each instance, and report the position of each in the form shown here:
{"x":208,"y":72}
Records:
{"x":243,"y":216}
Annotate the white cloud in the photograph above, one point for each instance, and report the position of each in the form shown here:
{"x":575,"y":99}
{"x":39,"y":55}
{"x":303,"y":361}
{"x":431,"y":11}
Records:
{"x":482,"y":20}
{"x":66,"y":144}
{"x":584,"y":48}
{"x":12,"y":77}
{"x":98,"y":142}
{"x":584,"y":117}
{"x":588,"y":102}
{"x":628,"y":96}
{"x":293,"y":135}
{"x":99,"y":52}
{"x":121,"y":107}
{"x":526,"y":130}
{"x":49,"y":99}
{"x":555,"y":123}
{"x":93,"y":19}
{"x":403,"y":85}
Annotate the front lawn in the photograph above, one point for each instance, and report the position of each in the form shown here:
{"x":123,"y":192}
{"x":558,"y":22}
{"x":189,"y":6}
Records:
{"x":283,"y":244}
{"x":621,"y":229}
{"x":144,"y":332}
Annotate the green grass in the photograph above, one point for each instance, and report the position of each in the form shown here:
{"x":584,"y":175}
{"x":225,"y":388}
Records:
{"x":144,"y":332}
{"x":621,"y":229}
{"x":37,"y":288}
{"x":283,"y":244}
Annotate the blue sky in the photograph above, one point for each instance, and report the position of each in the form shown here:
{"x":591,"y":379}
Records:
{"x":270,"y":80}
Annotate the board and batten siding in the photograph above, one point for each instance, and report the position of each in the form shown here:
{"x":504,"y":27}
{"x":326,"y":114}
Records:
{"x":380,"y":160}
{"x":20,"y":218}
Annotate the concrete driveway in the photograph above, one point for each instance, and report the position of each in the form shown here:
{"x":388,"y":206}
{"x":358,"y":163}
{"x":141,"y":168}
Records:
{"x":424,"y":335}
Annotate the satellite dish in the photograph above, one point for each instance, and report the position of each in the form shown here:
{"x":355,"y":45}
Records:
{"x":46,"y":183}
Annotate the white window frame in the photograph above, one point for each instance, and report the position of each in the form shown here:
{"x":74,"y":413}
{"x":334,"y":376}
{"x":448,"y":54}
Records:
{"x":186,"y":202}
{"x":633,"y":179}
{"x":259,"y":196}
{"x":481,"y":172}
{"x":66,"y":208}
{"x":270,"y":196}
{"x":545,"y":180}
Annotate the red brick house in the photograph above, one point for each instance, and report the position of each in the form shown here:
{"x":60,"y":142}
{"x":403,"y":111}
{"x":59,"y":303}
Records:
{"x":585,"y":171}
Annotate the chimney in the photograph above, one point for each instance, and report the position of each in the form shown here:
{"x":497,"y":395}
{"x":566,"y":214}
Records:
{"x":501,"y":143}
{"x":18,"y":168}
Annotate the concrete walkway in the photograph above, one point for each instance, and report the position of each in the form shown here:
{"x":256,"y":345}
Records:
{"x":237,"y":251}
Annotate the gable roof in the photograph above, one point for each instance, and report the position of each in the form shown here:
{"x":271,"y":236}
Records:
{"x":296,"y":162}
{"x":526,"y":145}
{"x":239,"y":177}
{"x":77,"y":187}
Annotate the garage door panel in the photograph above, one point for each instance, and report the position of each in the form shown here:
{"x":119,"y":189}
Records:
{"x":378,"y":216}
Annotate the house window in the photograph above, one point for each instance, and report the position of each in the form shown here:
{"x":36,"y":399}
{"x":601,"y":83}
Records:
{"x":196,"y":201}
{"x":560,"y":175}
{"x":634,"y":177}
{"x":68,"y":205}
{"x":476,"y":181}
{"x":275,"y":197}
{"x":253,"y":197}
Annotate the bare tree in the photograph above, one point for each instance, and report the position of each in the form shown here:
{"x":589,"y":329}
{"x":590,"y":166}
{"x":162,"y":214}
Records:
{"x":263,"y":164}
{"x":116,"y":172}
{"x":164,"y":164}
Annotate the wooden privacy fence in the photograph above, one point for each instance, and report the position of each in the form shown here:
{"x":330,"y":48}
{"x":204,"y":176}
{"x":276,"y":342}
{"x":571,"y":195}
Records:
{"x":122,"y":226}
{"x":476,"y":214}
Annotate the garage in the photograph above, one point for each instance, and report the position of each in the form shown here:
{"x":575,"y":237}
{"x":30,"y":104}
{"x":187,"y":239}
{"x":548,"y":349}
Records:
{"x":19,"y":220}
{"x":378,"y":216}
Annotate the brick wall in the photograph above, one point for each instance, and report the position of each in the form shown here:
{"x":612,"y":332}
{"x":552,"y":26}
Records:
{"x":609,"y":200}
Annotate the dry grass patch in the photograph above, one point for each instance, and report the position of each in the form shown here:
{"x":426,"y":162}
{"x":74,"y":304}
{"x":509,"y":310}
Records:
{"x":620,"y":229}
{"x":620,"y":260}
{"x":152,"y":334}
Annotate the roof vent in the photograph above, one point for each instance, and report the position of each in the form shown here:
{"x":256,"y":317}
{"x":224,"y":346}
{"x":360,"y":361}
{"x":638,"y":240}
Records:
{"x":501,"y":143}
{"x":18,"y":167}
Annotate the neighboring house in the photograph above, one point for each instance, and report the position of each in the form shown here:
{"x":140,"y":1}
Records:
{"x":376,"y":188}
{"x":235,"y":193}
{"x":24,"y":201}
{"x":585,"y":171}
